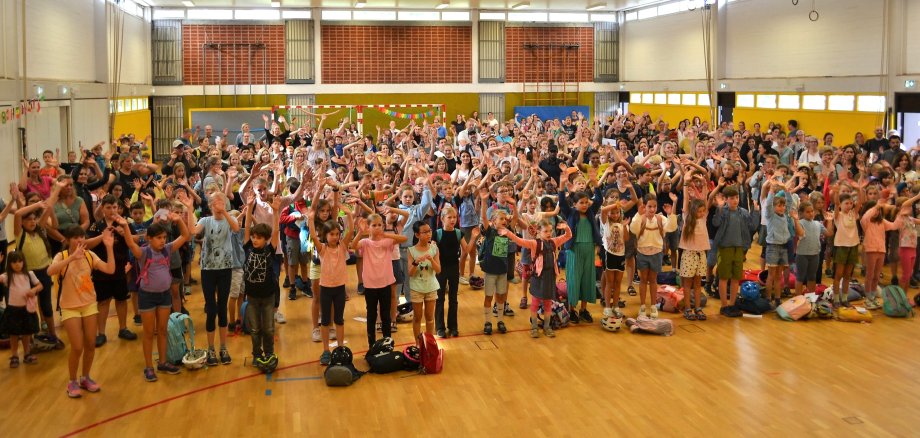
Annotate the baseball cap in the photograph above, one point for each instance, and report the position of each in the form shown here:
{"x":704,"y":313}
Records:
{"x":894,"y":133}
{"x":178,"y":143}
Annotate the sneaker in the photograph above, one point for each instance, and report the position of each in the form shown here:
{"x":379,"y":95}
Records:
{"x":168,"y":368}
{"x":549,"y":332}
{"x":573,"y":317}
{"x":187,"y":290}
{"x":464,"y":280}
{"x":149,"y":375}
{"x":325,"y":358}
{"x":137,"y":320}
{"x":621,"y":304}
{"x":508,"y":311}
{"x":14,"y":362}
{"x":292,"y":294}
{"x":73,"y":389}
{"x":30,"y":359}
{"x":332,"y":335}
{"x":299,"y":284}
{"x":287,"y":282}
{"x":89,"y":385}
{"x":212,"y":358}
{"x":100,"y":340}
{"x":534,"y":333}
{"x":279,"y":318}
{"x":515,"y":280}
{"x":127,"y":335}
{"x":667,"y":261}
{"x":872,"y":304}
{"x":523,"y":304}
{"x":454,"y":333}
{"x":654,"y":313}
{"x":618,"y":313}
{"x":641,"y":311}
{"x":495,"y":309}
{"x":586,"y":316}
{"x":487,"y":329}
{"x":317,"y":336}
{"x":829,"y":272}
{"x":379,"y":327}
{"x":393,"y":327}
{"x":225,"y":357}
{"x":232,"y":327}
{"x":442,"y":334}
{"x":360,"y":288}
{"x":607,"y":312}
{"x":631,"y":291}
{"x":308,"y":292}
{"x":501,"y":327}
{"x":636,"y":278}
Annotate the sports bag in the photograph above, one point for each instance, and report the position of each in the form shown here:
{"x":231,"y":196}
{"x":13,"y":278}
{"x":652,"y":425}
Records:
{"x":382,"y":345}
{"x":341,"y":370}
{"x":669,"y":298}
{"x":895,"y":303}
{"x":644,"y":324}
{"x":176,"y":343}
{"x":852,"y":314}
{"x":754,"y":307}
{"x":795,"y":308}
{"x":477,"y":283}
{"x":387,"y":362}
{"x":559,"y":317}
{"x":752,"y":275}
{"x":668,"y":278}
{"x":430,"y":353}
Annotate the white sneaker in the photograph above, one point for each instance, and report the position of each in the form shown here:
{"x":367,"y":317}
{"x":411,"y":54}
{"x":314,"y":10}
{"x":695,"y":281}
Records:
{"x":331,"y":333}
{"x":654,"y":314}
{"x":279,"y":318}
{"x":607,"y":312}
{"x":641,"y":311}
{"x":317,"y":337}
{"x":464,"y":280}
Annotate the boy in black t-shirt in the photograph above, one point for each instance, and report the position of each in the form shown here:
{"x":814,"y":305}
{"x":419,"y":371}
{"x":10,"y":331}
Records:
{"x":260,"y":241}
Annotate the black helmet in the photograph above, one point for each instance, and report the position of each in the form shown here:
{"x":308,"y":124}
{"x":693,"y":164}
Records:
{"x":341,"y":355}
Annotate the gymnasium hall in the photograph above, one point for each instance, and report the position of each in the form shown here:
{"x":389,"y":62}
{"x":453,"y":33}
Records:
{"x":459,"y":218}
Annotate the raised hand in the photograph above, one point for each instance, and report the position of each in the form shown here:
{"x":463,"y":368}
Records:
{"x":108,"y":238}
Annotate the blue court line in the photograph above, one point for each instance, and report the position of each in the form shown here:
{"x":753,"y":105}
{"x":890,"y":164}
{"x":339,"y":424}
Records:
{"x":288,"y":379}
{"x":268,"y":377}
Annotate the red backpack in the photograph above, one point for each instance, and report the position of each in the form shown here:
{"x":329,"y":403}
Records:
{"x":432,"y":356}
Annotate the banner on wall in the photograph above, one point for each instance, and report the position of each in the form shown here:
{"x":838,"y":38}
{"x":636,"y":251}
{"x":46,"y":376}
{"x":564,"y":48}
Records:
{"x":10,"y":113}
{"x":405,"y":116}
{"x":552,"y":112}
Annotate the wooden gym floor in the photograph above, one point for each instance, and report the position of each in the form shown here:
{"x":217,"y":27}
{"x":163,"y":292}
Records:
{"x":720,"y":377}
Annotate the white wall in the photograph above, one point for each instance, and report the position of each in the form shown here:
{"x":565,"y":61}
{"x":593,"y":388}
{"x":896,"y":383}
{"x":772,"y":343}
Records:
{"x":46,"y":129}
{"x":89,"y":122}
{"x":59,"y":40}
{"x":663,"y":48}
{"x":774,"y":39}
{"x":136,"y":61}
{"x":912,"y":38}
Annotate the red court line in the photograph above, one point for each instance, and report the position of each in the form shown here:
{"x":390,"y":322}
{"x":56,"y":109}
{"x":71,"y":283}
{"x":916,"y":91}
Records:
{"x":239,"y":379}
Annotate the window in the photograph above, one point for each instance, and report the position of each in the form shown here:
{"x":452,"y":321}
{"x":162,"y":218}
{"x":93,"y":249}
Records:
{"x":256,"y":14}
{"x":374,"y":15}
{"x":210,"y":14}
{"x":606,"y":36}
{"x":568,"y":17}
{"x":874,"y":104}
{"x":527,"y":16}
{"x":121,"y":106}
{"x":767,"y":101}
{"x":703,"y":100}
{"x":674,"y":99}
{"x":608,"y":18}
{"x":814,"y":102}
{"x":745,"y":101}
{"x":455,"y":16}
{"x":648,"y":13}
{"x":788,"y":101}
{"x":648,"y":98}
{"x":669,"y":8}
{"x":302,"y":15}
{"x":333,"y":15}
{"x":635,"y":98}
{"x":298,"y":50}
{"x":492,"y":16}
{"x":661,"y":98}
{"x":168,"y":14}
{"x":841,"y":103}
{"x":688,"y":99}
{"x":111,"y":107}
{"x":418,"y":16}
{"x":630,"y":16}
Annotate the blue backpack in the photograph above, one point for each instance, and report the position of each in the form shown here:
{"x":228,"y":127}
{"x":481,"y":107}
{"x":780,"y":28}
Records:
{"x":177,"y":345}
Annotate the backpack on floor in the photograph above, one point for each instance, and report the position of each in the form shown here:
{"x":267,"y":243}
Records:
{"x":430,"y":353}
{"x":42,"y":343}
{"x":386,"y":362}
{"x":669,"y":298}
{"x":753,"y":275}
{"x":667,"y":278}
{"x":382,"y":345}
{"x":477,"y":283}
{"x":341,"y":370}
{"x":176,"y":344}
{"x":852,"y":314}
{"x":895,"y":303}
{"x":243,"y":309}
{"x":795,"y":308}
{"x":559,"y":317}
{"x":754,"y":307}
{"x":821,"y":309}
{"x":644,"y":324}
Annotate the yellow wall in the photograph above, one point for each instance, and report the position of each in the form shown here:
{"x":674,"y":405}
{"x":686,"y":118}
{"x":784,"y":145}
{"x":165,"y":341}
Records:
{"x":134,"y":122}
{"x":844,"y":124}
{"x":672,"y":114}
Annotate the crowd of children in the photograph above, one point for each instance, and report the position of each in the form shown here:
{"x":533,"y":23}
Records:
{"x":598,"y":202}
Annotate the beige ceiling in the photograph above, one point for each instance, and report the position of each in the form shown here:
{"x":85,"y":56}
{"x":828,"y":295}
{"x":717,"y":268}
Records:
{"x":568,"y":5}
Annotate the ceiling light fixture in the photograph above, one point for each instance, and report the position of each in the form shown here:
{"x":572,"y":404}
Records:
{"x":360,"y":4}
{"x":188,"y":4}
{"x":597,"y":7}
{"x":521,"y":5}
{"x":443,"y":5}
{"x":276,"y":4}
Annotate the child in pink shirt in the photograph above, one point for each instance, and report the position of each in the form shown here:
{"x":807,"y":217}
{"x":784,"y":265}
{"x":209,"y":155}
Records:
{"x":376,"y":249}
{"x":874,"y":226}
{"x":332,"y":246}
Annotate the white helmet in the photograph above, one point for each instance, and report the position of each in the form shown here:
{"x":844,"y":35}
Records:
{"x":612,"y":323}
{"x":406,"y":317}
{"x":195,"y":359}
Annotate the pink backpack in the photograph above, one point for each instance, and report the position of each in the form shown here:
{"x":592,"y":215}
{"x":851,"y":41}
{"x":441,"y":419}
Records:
{"x":669,"y":298}
{"x":794,"y":309}
{"x":430,"y":353}
{"x":644,"y":324}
